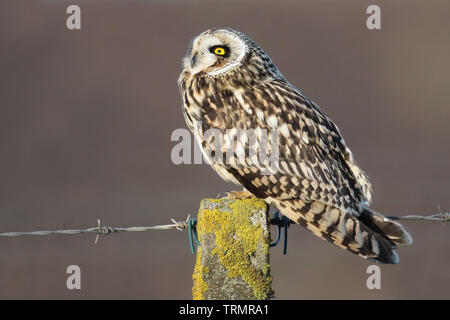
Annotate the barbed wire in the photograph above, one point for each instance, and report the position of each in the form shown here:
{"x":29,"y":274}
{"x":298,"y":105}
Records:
{"x":443,"y":217}
{"x":179,"y":225}
{"x":102,"y":230}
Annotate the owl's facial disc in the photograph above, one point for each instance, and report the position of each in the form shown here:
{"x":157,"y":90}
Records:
{"x":215,"y":52}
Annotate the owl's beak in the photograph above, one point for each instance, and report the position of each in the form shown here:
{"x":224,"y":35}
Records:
{"x":193,"y":60}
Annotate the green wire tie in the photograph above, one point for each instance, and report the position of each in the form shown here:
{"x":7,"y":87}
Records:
{"x":192,"y":230}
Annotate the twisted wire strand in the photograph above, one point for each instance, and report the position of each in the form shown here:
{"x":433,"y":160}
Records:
{"x":101,"y":230}
{"x":181,"y":225}
{"x":444,"y":217}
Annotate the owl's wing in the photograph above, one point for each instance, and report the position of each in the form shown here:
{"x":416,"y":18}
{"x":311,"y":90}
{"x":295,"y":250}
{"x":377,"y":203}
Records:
{"x":313,"y":162}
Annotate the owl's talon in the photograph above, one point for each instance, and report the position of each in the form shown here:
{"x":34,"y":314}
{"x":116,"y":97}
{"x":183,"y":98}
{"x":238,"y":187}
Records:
{"x":239,"y":195}
{"x":222,"y":195}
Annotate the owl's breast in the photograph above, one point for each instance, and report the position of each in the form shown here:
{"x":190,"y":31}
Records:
{"x":210,"y":109}
{"x":210,"y":103}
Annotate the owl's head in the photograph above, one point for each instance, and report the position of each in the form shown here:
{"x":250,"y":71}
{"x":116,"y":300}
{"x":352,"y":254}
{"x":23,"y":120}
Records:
{"x":218,"y":51}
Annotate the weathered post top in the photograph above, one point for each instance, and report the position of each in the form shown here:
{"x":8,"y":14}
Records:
{"x":233,"y":259}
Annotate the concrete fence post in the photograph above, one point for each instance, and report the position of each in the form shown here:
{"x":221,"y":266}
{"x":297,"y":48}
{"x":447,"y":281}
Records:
{"x":233,"y":259}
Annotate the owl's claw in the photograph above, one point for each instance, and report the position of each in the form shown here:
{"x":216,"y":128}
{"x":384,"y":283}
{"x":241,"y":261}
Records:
{"x":244,"y":194}
{"x":222,"y":195}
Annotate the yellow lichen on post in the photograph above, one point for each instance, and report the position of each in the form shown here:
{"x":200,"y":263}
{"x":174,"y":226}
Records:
{"x":233,"y":262}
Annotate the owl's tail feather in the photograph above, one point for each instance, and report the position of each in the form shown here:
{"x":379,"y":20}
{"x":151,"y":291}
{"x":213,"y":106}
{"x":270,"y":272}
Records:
{"x":386,"y":227}
{"x":372,"y":237}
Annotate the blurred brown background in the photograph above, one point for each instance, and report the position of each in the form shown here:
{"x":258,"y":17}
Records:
{"x":86,"y":118}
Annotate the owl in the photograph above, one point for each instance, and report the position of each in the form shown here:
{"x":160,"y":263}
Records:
{"x":229,"y":85}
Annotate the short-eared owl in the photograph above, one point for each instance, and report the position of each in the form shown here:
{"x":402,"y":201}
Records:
{"x":228,"y":83}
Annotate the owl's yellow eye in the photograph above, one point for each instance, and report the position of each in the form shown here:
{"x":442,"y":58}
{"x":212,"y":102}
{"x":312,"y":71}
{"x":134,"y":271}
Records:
{"x":219,"y":50}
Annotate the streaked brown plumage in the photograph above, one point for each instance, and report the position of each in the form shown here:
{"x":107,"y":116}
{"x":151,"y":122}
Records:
{"x":229,"y":83}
